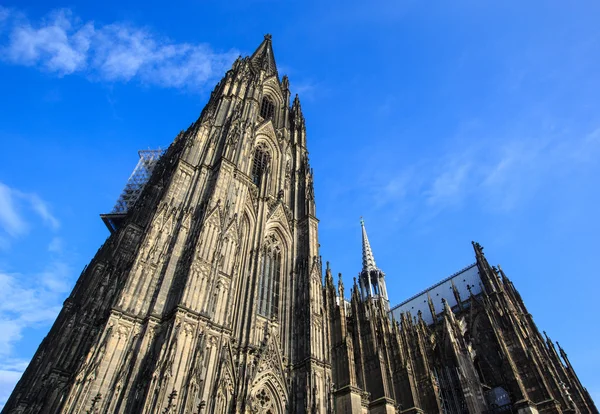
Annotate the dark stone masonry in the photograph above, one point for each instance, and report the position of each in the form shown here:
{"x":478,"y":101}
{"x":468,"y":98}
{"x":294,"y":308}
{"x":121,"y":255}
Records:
{"x":209,"y":296}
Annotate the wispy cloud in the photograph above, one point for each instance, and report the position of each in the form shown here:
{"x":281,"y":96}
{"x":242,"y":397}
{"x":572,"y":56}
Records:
{"x":118,"y":52}
{"x":13,"y":209}
{"x":500,"y":176}
{"x":448,"y":188}
{"x":10,"y":220}
{"x":10,"y":372}
{"x":41,"y":208}
{"x":28,"y":298}
{"x":29,"y":301}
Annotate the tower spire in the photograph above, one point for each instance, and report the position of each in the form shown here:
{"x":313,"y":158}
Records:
{"x":372,"y":279}
{"x":263,"y":58}
{"x":368,"y":261}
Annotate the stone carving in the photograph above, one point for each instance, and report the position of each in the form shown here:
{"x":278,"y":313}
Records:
{"x":186,"y":334}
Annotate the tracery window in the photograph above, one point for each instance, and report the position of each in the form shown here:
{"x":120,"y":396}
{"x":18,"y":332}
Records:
{"x":264,"y":403}
{"x":267,"y":108}
{"x":268,"y":288}
{"x":261,"y":160}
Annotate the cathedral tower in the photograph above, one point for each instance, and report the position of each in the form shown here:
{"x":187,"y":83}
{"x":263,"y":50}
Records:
{"x":207,"y":296}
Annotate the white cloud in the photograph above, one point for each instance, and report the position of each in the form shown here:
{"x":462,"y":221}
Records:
{"x":54,"y":44}
{"x":28,"y":302}
{"x":8,"y":379}
{"x":10,"y":220}
{"x":114,"y":52}
{"x":14,"y":205}
{"x":499,"y":176}
{"x":41,"y":208}
{"x":449,"y":186}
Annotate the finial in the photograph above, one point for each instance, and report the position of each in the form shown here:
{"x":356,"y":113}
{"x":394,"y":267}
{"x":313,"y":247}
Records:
{"x":362,"y":222}
{"x":547,"y":338}
{"x":268,"y":36}
{"x":340,"y":286}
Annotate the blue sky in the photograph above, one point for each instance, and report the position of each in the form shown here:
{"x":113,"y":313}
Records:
{"x":440,"y":123}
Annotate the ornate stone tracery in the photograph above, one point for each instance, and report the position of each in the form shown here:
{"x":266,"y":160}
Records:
{"x":209,"y":297}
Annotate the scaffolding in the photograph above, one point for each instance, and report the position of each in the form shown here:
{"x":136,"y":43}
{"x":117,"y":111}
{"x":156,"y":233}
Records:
{"x":135,"y":184}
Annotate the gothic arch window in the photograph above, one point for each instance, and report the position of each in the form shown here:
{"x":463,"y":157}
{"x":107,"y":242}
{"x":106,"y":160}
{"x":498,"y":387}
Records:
{"x":268,"y":288}
{"x":267,"y":108}
{"x":266,"y":401}
{"x":261,"y":160}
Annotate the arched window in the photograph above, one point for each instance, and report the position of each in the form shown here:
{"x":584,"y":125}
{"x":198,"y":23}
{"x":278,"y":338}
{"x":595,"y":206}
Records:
{"x":268,"y":289}
{"x":261,"y":159}
{"x":267,"y":108}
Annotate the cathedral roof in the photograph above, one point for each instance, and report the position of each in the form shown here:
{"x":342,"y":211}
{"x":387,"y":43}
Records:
{"x":466,"y":282}
{"x":263,"y":57}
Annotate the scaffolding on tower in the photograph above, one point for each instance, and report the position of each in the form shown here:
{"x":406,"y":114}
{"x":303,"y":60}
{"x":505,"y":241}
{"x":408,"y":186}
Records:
{"x":135,"y":184}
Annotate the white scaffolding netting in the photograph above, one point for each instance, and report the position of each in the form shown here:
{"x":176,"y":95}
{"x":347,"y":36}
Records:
{"x":138,"y":179}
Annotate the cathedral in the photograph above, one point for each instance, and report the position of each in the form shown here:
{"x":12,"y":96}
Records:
{"x":210,"y":296}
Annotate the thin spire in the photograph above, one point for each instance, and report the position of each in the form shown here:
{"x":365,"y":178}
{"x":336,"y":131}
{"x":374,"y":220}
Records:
{"x":368,"y":260}
{"x":263,"y":57}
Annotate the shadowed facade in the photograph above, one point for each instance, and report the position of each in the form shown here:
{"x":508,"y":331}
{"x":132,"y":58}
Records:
{"x":209,"y":297}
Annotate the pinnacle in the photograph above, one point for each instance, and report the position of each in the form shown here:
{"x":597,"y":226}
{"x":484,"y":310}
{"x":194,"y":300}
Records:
{"x":367,"y":254}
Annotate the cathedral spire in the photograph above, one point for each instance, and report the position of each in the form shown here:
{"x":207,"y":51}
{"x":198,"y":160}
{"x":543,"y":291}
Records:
{"x":372,"y":279}
{"x":263,"y":58}
{"x":368,"y":261}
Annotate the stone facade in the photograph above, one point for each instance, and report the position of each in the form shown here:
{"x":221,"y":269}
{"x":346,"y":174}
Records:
{"x":209,"y":297}
{"x":483,"y":355}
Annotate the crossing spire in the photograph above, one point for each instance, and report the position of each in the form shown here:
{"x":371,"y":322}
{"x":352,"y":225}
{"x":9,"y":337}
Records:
{"x":368,"y":261}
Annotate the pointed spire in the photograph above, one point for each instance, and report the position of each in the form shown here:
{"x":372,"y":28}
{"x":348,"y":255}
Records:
{"x":328,"y":276}
{"x":456,"y":294}
{"x":431,"y":308}
{"x":548,"y":340}
{"x":263,"y":57}
{"x":368,"y":261}
{"x":340,"y":287}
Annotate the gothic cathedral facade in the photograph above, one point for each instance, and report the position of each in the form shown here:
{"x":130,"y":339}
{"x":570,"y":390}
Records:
{"x":209,"y":297}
